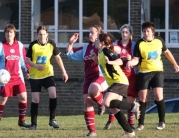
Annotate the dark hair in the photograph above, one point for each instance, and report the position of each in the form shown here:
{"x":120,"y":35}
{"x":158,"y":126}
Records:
{"x":9,"y":27}
{"x":107,"y":41}
{"x":98,"y":28}
{"x":41,"y":28}
{"x":148,"y":24}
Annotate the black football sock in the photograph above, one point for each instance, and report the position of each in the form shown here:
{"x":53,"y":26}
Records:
{"x":161,"y":110}
{"x":123,"y":122}
{"x":34,"y":113}
{"x":52,"y":107}
{"x":121,"y":104}
{"x":142,"y":112}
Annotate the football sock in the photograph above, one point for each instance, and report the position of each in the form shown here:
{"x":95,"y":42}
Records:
{"x":34,"y":113}
{"x":131,"y":117}
{"x":161,"y":110}
{"x":52,"y":107}
{"x":22,"y":111}
{"x":89,"y":119}
{"x":1,"y":110}
{"x":123,"y":122}
{"x":99,"y":99}
{"x":111,"y":117}
{"x":121,"y":105}
{"x":142,"y":112}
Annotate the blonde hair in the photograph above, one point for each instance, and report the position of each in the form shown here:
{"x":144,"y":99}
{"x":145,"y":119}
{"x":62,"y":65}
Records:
{"x":98,"y":28}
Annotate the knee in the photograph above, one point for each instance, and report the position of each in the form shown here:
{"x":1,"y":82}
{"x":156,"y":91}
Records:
{"x":22,"y":98}
{"x":94,"y":90}
{"x":107,"y":103}
{"x":88,"y":102}
{"x":35,"y":99}
{"x":2,"y":102}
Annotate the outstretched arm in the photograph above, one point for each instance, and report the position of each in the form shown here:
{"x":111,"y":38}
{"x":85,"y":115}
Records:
{"x":72,"y":40}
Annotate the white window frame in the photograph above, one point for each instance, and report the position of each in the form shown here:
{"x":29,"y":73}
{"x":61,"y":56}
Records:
{"x":80,"y":30}
{"x":166,"y":30}
{"x":17,"y":30}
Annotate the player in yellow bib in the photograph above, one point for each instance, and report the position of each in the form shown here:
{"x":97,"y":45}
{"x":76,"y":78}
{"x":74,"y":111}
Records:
{"x":41,"y":72}
{"x":109,"y":64}
{"x":147,"y":54}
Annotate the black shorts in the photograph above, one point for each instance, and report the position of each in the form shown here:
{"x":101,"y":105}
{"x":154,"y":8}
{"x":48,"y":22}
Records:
{"x":150,"y":79}
{"x":37,"y":84}
{"x":118,"y":88}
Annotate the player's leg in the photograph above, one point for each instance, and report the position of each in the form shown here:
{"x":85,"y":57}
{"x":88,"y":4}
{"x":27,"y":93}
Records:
{"x":34,"y":110}
{"x":95,"y":91}
{"x":89,"y":115}
{"x":132,"y":94}
{"x":22,"y":97}
{"x":143,"y":84}
{"x":52,"y":106}
{"x":5,"y":92}
{"x":50,"y":85}
{"x":157,"y":85}
{"x":35,"y":89}
{"x":3,"y":101}
{"x":109,"y":97}
{"x":110,"y":121}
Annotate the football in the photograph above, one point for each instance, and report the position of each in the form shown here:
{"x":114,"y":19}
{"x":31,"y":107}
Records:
{"x":4,"y":76}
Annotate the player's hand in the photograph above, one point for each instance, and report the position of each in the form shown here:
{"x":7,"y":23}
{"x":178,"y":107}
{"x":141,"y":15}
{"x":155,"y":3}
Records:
{"x":129,"y":66}
{"x":93,"y":56}
{"x":74,"y":38}
{"x":106,"y":59}
{"x":40,"y":68}
{"x":176,"y":68}
{"x":128,"y":57}
{"x":65,"y":77}
{"x":27,"y":76}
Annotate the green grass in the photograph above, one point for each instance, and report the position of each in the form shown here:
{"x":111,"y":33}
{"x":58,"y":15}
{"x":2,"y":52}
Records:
{"x":74,"y":127}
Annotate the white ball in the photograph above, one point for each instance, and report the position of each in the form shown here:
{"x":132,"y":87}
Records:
{"x":4,"y":76}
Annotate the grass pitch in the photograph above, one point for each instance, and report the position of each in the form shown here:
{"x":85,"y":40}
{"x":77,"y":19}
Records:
{"x":74,"y":127}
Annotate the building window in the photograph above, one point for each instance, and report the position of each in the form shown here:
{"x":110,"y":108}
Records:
{"x":164,"y":14}
{"x":65,"y":17}
{"x":9,"y":13}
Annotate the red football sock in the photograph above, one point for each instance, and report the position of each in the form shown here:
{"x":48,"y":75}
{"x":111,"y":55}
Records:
{"x":99,"y":100}
{"x":89,"y":119}
{"x":111,"y":117}
{"x":131,"y":117}
{"x":1,"y":110}
{"x":22,"y":111}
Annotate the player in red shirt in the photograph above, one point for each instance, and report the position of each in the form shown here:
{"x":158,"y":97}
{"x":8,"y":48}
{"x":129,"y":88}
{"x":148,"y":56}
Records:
{"x":94,"y":83}
{"x":125,"y":48}
{"x":12,"y":58}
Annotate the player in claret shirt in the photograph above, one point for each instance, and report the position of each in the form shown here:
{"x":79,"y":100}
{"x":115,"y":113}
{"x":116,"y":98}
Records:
{"x":12,"y":58}
{"x":94,"y":83}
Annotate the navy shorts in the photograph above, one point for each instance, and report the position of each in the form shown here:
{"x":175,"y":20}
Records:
{"x":37,"y":84}
{"x":150,"y":80}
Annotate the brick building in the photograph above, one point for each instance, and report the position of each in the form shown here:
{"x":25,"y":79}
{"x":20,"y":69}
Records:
{"x":64,"y":17}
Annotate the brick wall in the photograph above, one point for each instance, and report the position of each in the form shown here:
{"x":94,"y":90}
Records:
{"x":70,"y":101}
{"x":25,"y":21}
{"x":135,"y":18}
